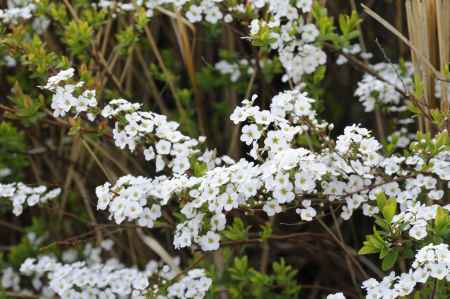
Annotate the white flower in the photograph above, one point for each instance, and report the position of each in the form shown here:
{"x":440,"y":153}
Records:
{"x":254,"y":27}
{"x":210,"y":241}
{"x":336,"y":296}
{"x":239,"y":114}
{"x":213,"y":15}
{"x":304,"y":5}
{"x":149,"y":154}
{"x":250,"y":133}
{"x":64,"y":75}
{"x":163,"y":147}
{"x":304,"y":182}
{"x":308,"y":213}
{"x":194,"y":14}
{"x":284,"y":194}
{"x":439,"y":270}
{"x":271,"y":208}
{"x":418,"y":232}
{"x":436,"y":194}
{"x":218,"y":222}
{"x":309,"y":33}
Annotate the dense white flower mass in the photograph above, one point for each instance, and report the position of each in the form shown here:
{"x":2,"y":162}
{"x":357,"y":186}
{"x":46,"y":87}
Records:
{"x":350,"y":170}
{"x":372,"y":91}
{"x":344,"y":170}
{"x":53,"y":81}
{"x":350,"y":165}
{"x":95,"y":277}
{"x":20,"y":194}
{"x":431,"y":261}
{"x":290,"y":35}
{"x":194,"y":285}
{"x":416,"y":218}
{"x":129,"y":197}
{"x":160,"y":138}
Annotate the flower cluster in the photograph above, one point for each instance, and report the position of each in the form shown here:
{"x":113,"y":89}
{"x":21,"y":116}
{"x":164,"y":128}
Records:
{"x":415,"y":219}
{"x":67,"y":98}
{"x":10,"y":279}
{"x":284,"y":172}
{"x":17,"y":10}
{"x":127,"y":199}
{"x":234,"y":70}
{"x":354,"y":49}
{"x":294,"y":42}
{"x":19,"y":194}
{"x":159,"y":137}
{"x":350,"y":170}
{"x":194,"y":285}
{"x":98,"y":278}
{"x":430,"y":261}
{"x":339,"y":295}
{"x":372,"y":91}
{"x":220,"y":190}
{"x":289,"y":104}
{"x":289,"y":34}
{"x":89,"y":281}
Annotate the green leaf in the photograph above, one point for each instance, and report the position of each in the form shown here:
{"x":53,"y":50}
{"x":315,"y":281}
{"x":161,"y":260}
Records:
{"x":266,"y":231}
{"x":368,"y":248}
{"x":237,"y":231}
{"x":199,"y":168}
{"x":380,"y":199}
{"x":240,"y":268}
{"x":442,"y":222}
{"x":389,"y":209}
{"x":390,"y":259}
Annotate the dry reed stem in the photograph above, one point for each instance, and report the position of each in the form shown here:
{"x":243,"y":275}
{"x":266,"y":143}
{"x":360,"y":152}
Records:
{"x":443,"y":28}
{"x":153,"y":87}
{"x":389,"y":27}
{"x":166,"y":72}
{"x":187,"y":54}
{"x":154,"y":245}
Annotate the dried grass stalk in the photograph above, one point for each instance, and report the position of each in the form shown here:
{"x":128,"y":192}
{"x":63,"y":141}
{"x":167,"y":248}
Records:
{"x":443,"y":33}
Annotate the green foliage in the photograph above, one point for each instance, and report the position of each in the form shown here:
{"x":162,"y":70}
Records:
{"x":246,"y":282}
{"x":20,"y":252}
{"x":442,"y":223}
{"x":208,"y":79}
{"x":27,"y":109}
{"x":237,"y":231}
{"x":325,"y":24}
{"x":428,"y":146}
{"x":13,"y":148}
{"x":78,"y":37}
{"x":263,"y":38}
{"x":379,"y":241}
{"x":349,"y":27}
{"x":314,"y":84}
{"x":199,"y":168}
{"x":266,"y":231}
{"x":126,"y":39}
{"x":374,"y":243}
